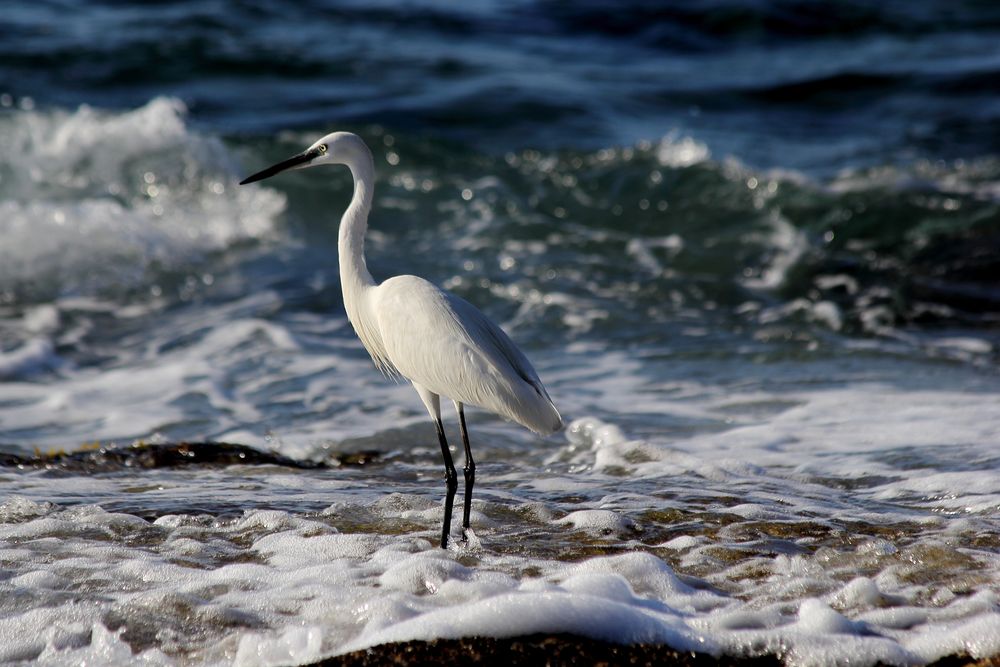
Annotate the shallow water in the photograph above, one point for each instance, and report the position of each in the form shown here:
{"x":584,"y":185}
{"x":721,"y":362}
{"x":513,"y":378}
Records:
{"x":752,"y":254}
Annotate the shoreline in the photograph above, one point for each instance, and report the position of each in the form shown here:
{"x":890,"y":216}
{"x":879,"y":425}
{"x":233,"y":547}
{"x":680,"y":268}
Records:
{"x":558,"y":650}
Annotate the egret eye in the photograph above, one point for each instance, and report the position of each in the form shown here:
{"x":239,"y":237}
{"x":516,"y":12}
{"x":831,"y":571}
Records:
{"x":322,"y":149}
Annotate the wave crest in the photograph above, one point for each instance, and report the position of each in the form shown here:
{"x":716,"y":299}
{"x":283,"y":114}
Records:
{"x":100,"y":202}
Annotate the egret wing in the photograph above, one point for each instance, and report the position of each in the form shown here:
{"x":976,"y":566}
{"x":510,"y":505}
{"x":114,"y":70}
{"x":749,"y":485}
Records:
{"x":443,"y":343}
{"x":494,"y":343}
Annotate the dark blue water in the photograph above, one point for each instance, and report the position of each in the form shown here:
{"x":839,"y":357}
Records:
{"x":908,"y":90}
{"x":794,"y":84}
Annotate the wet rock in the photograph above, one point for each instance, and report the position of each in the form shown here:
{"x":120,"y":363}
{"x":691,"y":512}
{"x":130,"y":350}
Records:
{"x":107,"y":458}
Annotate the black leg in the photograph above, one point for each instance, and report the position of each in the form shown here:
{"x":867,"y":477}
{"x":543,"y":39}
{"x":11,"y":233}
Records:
{"x":470,"y":472}
{"x":451,"y":478}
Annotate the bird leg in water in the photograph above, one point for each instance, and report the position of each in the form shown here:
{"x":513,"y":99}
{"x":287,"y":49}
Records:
{"x":451,"y":478}
{"x":470,"y":474}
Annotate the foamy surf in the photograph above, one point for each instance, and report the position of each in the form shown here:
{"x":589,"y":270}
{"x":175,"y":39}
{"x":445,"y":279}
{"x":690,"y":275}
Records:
{"x":801,"y":522}
{"x":99,"y":203}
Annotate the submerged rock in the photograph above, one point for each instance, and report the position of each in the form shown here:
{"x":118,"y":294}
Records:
{"x":541,"y":649}
{"x":561,"y":650}
{"x":100,"y":458}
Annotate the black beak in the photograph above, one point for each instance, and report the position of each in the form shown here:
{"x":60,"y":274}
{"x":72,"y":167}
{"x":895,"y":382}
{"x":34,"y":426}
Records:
{"x":294,"y":161}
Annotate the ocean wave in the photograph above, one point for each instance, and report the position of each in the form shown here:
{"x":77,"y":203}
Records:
{"x":136,"y":205}
{"x":111,"y":203}
{"x":647,"y":233}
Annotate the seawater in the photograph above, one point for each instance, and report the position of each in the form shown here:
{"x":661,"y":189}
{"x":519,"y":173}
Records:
{"x":752,"y":255}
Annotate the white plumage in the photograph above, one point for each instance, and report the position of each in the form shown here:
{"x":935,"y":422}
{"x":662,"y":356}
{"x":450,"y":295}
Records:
{"x":439,"y":342}
{"x":421,"y":325}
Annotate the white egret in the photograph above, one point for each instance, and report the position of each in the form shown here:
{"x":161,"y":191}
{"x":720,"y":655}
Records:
{"x":411,"y":328}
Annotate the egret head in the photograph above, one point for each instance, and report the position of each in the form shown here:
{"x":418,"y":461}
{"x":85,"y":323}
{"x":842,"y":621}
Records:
{"x":334,"y":148}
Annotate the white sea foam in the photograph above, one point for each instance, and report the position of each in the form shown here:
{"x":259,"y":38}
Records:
{"x":789,"y":244}
{"x":31,"y":357}
{"x":676,"y":151}
{"x":100,"y":201}
{"x":158,"y":384}
{"x":320,"y":593}
{"x":300,"y":588}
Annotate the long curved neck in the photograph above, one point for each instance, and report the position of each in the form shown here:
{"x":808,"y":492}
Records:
{"x":355,"y":280}
{"x":354,"y":275}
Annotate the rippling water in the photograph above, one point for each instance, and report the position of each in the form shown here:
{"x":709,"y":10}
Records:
{"x":750,"y":248}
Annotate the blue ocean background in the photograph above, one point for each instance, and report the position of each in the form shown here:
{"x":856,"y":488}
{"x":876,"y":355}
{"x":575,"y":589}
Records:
{"x":752,"y":249}
{"x":882,"y":117}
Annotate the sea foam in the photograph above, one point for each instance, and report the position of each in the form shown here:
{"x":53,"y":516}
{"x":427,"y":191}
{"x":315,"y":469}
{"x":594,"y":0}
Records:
{"x":101,"y":203}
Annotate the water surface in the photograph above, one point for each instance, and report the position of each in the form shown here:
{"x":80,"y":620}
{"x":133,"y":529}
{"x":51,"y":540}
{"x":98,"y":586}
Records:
{"x":750,"y":248}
